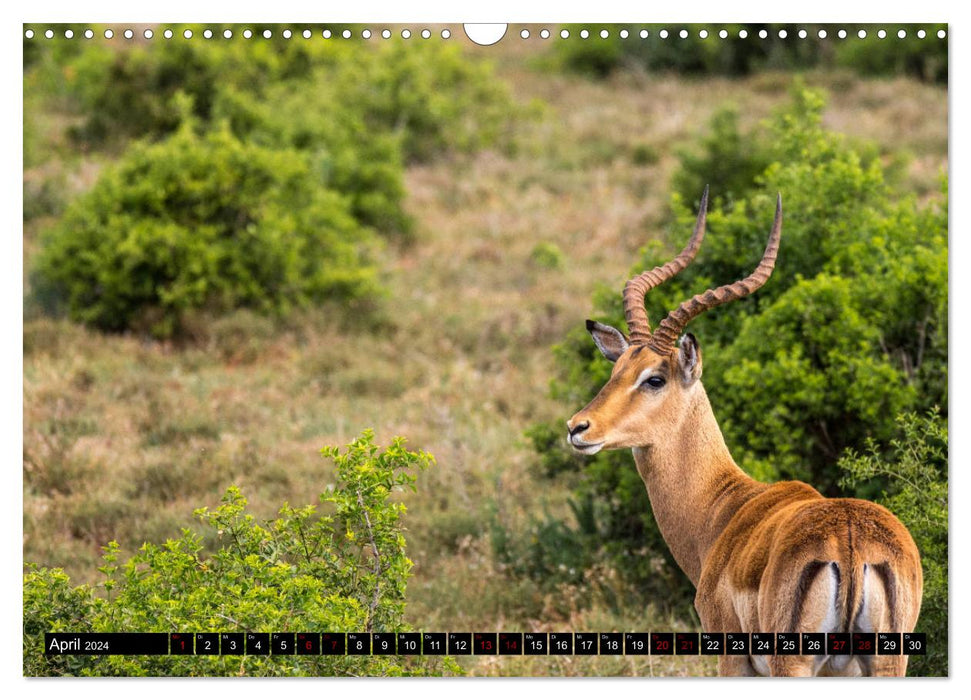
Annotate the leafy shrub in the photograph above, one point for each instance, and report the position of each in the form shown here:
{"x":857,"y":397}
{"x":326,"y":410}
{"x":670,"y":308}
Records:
{"x":429,"y":92}
{"x":358,"y":110}
{"x":806,"y":378}
{"x":645,"y":154}
{"x":915,"y":471}
{"x":924,"y":59}
{"x":691,"y":55}
{"x":130,"y":91}
{"x":850,"y":330}
{"x":366,"y":165}
{"x":432,"y":95}
{"x":726,"y":160}
{"x":343,"y":570}
{"x":547,"y":255}
{"x":202,"y":222}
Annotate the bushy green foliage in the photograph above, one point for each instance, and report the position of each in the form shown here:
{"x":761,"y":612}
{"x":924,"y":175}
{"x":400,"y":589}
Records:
{"x":806,"y":378}
{"x":690,"y":55}
{"x":428,"y":93}
{"x":850,"y":330}
{"x":925,"y":59}
{"x":316,"y":134}
{"x":342,"y":568}
{"x":364,"y":164}
{"x":547,"y":255}
{"x":131,"y":93}
{"x":128,"y":91}
{"x":915,"y":471}
{"x":202,"y":222}
{"x":435,"y":98}
{"x":725,"y":160}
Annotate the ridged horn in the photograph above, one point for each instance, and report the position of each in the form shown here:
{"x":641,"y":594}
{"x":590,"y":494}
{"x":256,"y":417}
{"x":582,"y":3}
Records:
{"x":666,"y":335}
{"x":634,"y":291}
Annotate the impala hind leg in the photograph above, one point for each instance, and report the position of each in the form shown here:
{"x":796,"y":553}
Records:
{"x":735,"y":666}
{"x":792,"y":665}
{"x":883,"y":665}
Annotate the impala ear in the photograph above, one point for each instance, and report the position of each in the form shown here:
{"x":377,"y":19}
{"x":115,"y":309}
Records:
{"x":689,"y":359}
{"x":611,"y":342}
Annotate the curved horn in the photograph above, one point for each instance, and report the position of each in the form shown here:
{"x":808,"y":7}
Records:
{"x":634,"y":291}
{"x":666,"y":335}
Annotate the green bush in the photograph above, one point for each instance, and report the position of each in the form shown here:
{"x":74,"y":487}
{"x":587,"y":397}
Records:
{"x":806,"y":379}
{"x":131,"y":93}
{"x":358,"y":109}
{"x":202,"y":222}
{"x":690,"y":55}
{"x":915,"y":471}
{"x":850,"y":330}
{"x":924,"y":59}
{"x":547,"y":255}
{"x":305,"y":571}
{"x":365,"y":165}
{"x":726,"y":160}
{"x":128,"y":91}
{"x":429,"y":92}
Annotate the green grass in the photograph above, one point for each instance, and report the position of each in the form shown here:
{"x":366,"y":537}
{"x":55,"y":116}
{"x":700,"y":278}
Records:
{"x":123,"y":437}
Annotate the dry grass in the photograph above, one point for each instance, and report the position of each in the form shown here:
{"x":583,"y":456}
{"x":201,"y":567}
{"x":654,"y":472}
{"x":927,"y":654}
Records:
{"x":123,"y":437}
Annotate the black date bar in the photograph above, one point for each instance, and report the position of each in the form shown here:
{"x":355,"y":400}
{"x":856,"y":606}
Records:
{"x":106,"y":643}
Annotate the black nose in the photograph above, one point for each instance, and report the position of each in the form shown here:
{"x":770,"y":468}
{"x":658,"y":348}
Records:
{"x":578,"y":428}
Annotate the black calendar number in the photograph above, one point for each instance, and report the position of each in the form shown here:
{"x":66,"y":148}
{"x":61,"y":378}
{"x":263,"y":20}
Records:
{"x":662,"y":643}
{"x":333,"y":643}
{"x":383,"y":643}
{"x":763,"y":643}
{"x":611,"y":643}
{"x":409,"y":643}
{"x":511,"y":643}
{"x":561,"y":643}
{"x":433,"y":643}
{"x":737,"y":643}
{"x":838,"y":643}
{"x":637,"y":643}
{"x":713,"y":643}
{"x":231,"y":644}
{"x":686,"y":643}
{"x":308,"y":643}
{"x":787,"y":643}
{"x":864,"y":643}
{"x":257,"y":644}
{"x":889,"y":643}
{"x":485,"y":643}
{"x":460,"y":643}
{"x":915,"y":643}
{"x":282,"y":643}
{"x":585,"y":644}
{"x":207,"y":643}
{"x":358,"y":643}
{"x":536,"y":643}
{"x":813,"y":643}
{"x":180,"y":644}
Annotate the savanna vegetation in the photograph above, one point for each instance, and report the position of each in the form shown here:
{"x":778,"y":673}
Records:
{"x":237,"y":251}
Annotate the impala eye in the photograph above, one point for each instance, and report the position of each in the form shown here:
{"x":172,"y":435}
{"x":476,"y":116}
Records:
{"x":654,"y":382}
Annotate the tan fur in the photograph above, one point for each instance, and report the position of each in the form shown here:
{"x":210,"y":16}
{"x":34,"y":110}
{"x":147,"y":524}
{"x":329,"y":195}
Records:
{"x":760,"y":555}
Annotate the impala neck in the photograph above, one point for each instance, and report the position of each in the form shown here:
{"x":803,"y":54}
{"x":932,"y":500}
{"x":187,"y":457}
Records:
{"x":694,"y":485}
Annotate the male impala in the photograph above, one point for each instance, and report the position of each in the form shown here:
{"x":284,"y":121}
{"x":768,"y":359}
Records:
{"x":763,"y":557}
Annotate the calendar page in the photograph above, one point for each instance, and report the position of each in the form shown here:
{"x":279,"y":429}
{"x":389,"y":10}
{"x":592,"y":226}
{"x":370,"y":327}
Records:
{"x":533,"y":350}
